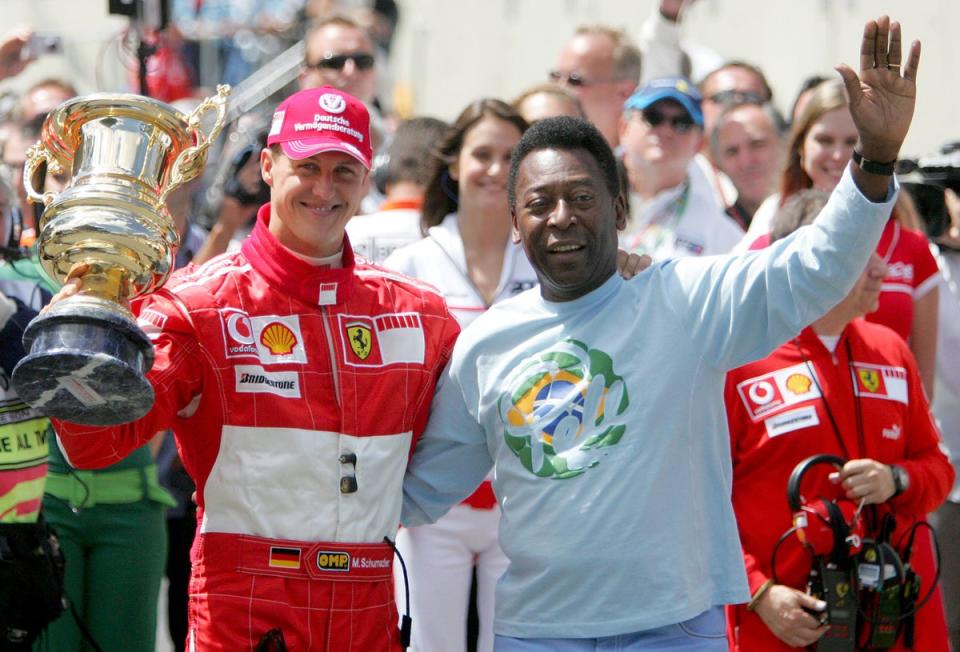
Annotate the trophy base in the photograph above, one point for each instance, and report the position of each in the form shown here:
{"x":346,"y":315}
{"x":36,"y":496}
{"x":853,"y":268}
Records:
{"x":86,"y":364}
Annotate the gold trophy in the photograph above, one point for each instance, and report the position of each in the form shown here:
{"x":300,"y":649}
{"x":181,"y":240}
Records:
{"x":110,"y":226}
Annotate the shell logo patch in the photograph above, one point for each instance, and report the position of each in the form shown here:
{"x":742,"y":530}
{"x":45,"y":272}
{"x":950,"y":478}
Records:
{"x":278,"y":339}
{"x":271,"y":339}
{"x":360,"y":340}
{"x":799,"y":383}
{"x":776,"y":391}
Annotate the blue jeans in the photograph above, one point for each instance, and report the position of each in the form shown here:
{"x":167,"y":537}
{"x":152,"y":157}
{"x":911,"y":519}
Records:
{"x":703,"y":633}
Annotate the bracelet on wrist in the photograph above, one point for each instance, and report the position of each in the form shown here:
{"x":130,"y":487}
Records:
{"x":874,"y":167}
{"x":755,"y":600}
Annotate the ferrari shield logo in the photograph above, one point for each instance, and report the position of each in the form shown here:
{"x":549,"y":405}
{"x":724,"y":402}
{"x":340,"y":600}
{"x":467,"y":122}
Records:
{"x":870,"y":379}
{"x":842,"y":589}
{"x":360,"y":341}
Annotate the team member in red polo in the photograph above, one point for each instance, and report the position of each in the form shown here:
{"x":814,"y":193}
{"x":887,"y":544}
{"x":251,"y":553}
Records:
{"x":296,"y":380}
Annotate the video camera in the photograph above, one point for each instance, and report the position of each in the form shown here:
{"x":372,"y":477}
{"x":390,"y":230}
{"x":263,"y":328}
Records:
{"x":925,"y":179}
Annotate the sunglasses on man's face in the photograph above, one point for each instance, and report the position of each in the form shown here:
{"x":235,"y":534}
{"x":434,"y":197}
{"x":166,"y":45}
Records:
{"x":679,"y":123}
{"x":732,"y":97}
{"x":575,"y":80}
{"x":361,"y":60}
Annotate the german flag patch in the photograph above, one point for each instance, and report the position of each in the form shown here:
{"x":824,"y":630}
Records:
{"x":284,"y":557}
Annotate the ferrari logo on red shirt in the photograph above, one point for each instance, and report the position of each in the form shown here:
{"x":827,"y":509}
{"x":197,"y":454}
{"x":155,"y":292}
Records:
{"x":881,"y":381}
{"x":360,"y":341}
{"x":870,"y":379}
{"x":382,"y":340}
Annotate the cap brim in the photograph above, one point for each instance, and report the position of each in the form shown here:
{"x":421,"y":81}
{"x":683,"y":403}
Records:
{"x":641,"y":103}
{"x":301,"y":149}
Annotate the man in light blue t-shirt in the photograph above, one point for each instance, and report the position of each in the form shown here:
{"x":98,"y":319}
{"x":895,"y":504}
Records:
{"x":599,"y":402}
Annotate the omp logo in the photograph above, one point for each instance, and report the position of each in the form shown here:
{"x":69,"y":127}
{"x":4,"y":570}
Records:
{"x":253,"y":379}
{"x":333,"y":561}
{"x":272,"y":339}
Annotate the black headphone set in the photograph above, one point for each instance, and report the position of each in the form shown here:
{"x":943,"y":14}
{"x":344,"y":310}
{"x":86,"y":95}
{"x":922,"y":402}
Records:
{"x":870,"y":589}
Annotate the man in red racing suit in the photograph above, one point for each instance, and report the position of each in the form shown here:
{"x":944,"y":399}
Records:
{"x":848,"y":388}
{"x":296,"y":379}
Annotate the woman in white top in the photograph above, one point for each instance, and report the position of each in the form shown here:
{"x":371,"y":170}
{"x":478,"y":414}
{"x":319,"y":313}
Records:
{"x":469,"y":255}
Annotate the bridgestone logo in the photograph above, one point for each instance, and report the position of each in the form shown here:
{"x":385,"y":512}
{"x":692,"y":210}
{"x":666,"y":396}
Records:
{"x":279,"y":384}
{"x":253,"y":379}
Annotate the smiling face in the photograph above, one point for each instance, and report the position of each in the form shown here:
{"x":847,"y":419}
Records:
{"x":567,"y":221}
{"x":481,"y":166}
{"x":312,"y":199}
{"x":827,"y":148}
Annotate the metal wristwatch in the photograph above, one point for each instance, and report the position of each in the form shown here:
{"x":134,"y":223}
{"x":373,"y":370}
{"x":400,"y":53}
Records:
{"x":901,"y":479}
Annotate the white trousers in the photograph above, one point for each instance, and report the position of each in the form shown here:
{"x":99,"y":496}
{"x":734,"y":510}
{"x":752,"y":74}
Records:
{"x":440,"y":560}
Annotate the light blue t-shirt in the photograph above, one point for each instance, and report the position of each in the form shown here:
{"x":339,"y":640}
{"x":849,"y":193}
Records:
{"x":604,"y":419}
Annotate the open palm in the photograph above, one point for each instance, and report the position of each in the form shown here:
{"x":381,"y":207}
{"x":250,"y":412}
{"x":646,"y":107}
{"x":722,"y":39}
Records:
{"x":883,"y":96}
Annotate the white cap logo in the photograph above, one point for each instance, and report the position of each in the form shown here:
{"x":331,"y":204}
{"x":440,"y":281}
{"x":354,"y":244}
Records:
{"x":332,"y":103}
{"x":277,"y":123}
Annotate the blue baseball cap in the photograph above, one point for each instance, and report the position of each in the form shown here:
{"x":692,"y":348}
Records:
{"x":679,"y":89}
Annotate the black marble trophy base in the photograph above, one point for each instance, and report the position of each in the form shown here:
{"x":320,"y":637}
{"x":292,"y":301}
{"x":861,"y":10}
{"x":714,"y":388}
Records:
{"x":85,"y":364}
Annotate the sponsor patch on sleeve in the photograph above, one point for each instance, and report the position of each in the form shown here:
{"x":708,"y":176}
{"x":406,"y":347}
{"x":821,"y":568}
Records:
{"x":791,"y":420}
{"x":778,"y":390}
{"x":254,"y":379}
{"x":881,"y":381}
{"x":382,"y":340}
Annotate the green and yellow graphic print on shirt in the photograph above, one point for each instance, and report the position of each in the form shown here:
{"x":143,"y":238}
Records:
{"x":560,"y":409}
{"x":24,"y":443}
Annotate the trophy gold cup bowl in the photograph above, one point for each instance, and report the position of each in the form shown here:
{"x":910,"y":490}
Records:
{"x":86,"y":357}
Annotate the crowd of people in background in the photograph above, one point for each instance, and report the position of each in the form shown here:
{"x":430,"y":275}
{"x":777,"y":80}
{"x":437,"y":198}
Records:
{"x":707,"y":164}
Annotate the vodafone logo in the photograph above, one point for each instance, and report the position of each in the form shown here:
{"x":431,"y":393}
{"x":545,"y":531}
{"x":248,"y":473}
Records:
{"x":762,"y":393}
{"x":238,"y":332}
{"x":271,"y":339}
{"x":333,"y":103}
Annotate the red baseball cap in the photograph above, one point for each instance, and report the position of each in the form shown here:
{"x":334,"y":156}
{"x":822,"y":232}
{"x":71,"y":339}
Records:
{"x":319,"y":120}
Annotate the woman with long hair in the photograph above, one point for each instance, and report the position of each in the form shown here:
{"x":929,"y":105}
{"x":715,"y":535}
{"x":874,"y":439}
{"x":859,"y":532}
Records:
{"x":469,"y":255}
{"x":820,"y":146}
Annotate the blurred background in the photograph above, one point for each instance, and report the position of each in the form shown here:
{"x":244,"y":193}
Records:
{"x":445,"y":53}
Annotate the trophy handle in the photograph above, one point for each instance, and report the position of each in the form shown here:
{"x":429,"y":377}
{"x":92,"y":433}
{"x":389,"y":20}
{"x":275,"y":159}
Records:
{"x":36,"y":155}
{"x":191,"y":160}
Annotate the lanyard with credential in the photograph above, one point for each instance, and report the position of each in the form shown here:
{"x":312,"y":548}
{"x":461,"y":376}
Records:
{"x":811,"y":367}
{"x":662,"y":225}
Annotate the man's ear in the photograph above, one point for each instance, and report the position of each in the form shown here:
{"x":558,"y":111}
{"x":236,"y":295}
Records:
{"x":620,"y":211}
{"x":515,"y":229}
{"x":266,"y":165}
{"x":622,"y":123}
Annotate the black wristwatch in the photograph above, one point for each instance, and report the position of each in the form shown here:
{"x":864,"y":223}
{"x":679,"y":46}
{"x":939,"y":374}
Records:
{"x":901,"y":479}
{"x":873,"y":167}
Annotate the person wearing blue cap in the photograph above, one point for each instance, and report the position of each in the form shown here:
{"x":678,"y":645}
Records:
{"x":674,"y":211}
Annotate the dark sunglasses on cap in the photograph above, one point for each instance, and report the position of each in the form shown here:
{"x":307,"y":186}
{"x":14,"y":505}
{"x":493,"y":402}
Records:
{"x":679,"y":123}
{"x":574,"y":80}
{"x":732,"y":97}
{"x":362,"y":61}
